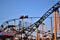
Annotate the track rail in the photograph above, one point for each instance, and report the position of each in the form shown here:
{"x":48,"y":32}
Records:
{"x":49,"y":12}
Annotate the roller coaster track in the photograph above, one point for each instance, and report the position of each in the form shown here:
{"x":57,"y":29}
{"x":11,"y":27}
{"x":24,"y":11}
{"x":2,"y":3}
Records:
{"x":9,"y":21}
{"x":32,"y":27}
{"x":49,"y":12}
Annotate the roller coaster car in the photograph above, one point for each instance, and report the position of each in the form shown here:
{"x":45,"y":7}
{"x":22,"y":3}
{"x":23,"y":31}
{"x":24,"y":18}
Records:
{"x":21,"y":17}
{"x":10,"y":26}
{"x":7,"y":36}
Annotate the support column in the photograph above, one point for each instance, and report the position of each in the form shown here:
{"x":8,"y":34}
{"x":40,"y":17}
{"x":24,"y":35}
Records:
{"x":23,"y":24}
{"x":7,"y":26}
{"x":36,"y":33}
{"x":59,"y":25}
{"x":55,"y":25}
{"x":51,"y":28}
{"x":38,"y":36}
{"x":43,"y":31}
{"x":15,"y":23}
{"x":31,"y":21}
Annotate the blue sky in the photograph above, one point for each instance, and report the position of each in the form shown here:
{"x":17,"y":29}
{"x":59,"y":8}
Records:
{"x":10,"y":9}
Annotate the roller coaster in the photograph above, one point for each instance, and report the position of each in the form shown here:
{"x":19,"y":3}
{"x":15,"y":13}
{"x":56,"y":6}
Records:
{"x":26,"y":32}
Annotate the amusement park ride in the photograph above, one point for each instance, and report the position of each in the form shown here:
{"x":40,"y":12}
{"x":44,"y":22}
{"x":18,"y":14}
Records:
{"x":21,"y":32}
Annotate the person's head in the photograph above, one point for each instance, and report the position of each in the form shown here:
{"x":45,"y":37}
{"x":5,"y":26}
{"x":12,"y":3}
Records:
{"x":2,"y":26}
